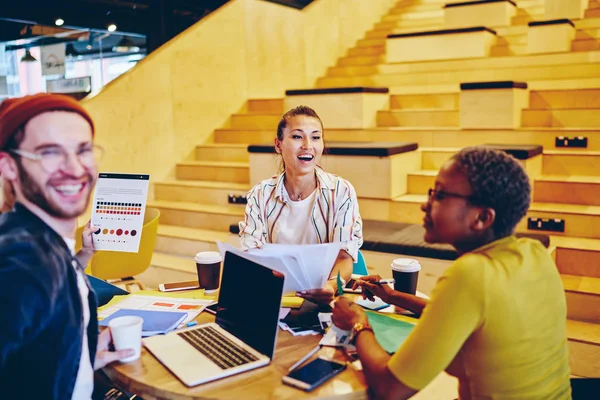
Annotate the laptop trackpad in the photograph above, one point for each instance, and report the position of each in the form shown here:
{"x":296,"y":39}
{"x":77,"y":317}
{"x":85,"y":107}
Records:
{"x":182,"y":359}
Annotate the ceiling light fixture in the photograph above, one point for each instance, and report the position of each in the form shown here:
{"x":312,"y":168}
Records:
{"x":28,"y":58}
{"x":112,"y":28}
{"x":59,"y":22}
{"x":125,"y":45}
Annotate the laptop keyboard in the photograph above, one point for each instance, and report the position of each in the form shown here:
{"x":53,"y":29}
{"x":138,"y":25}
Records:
{"x":219,"y":349}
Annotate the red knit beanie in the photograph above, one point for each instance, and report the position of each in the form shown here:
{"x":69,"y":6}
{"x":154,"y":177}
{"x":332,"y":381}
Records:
{"x":16,"y":112}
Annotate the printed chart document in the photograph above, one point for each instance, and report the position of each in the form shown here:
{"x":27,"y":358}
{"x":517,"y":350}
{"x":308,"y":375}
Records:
{"x":118,"y":210}
{"x":192,"y":307}
{"x":305,"y":266}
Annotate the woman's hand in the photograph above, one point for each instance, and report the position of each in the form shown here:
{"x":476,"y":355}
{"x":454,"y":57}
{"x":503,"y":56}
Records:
{"x":370,"y":289}
{"x":346,"y":313}
{"x":325,"y":295}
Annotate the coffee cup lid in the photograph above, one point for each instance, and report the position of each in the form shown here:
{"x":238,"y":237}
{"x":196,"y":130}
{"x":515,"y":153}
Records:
{"x":208,"y":257}
{"x":405,"y":265}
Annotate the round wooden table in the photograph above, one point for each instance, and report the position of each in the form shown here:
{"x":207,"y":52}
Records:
{"x":148,"y":378}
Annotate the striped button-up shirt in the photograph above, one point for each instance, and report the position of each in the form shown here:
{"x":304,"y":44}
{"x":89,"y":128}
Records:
{"x":334,"y":215}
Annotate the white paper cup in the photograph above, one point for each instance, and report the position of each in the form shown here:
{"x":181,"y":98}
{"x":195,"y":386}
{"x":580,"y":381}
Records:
{"x":127,"y":334}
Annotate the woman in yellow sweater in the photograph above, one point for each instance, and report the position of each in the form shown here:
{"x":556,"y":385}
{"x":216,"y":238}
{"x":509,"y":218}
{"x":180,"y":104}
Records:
{"x":497,"y":316}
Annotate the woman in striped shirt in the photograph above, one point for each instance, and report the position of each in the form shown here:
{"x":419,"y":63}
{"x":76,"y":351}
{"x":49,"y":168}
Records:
{"x":304,"y":204}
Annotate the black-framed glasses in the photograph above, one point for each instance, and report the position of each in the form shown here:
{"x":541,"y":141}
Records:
{"x":53,"y":158}
{"x":441,"y":195}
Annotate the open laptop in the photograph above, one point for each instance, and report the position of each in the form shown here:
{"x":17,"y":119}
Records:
{"x":245,"y":332}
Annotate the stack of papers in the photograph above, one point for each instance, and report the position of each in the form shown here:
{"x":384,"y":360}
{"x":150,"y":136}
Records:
{"x":155,"y":322}
{"x":305,"y":266}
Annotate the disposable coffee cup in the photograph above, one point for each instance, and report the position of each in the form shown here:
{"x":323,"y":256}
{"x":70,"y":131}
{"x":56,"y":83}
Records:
{"x":126,"y":333}
{"x":406,"y":274}
{"x":208,"y":264}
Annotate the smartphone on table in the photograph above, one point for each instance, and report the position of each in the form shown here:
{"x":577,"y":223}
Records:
{"x":175,"y":286}
{"x":313,"y":374}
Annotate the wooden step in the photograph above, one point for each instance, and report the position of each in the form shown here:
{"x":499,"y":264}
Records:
{"x":527,"y":73}
{"x":587,"y":34}
{"x":583,"y":297}
{"x":207,"y":192}
{"x":415,"y":15}
{"x":565,"y":99}
{"x":246,"y":136}
{"x":213,"y":171}
{"x":419,"y":182}
{"x":414,"y":25}
{"x":590,"y":44}
{"x":577,"y":256}
{"x":186,"y":241}
{"x":417,"y":117}
{"x":580,"y":220}
{"x":425,"y":101}
{"x":357,"y":70}
{"x":255,"y":121}
{"x":558,"y":162}
{"x":404,"y":7}
{"x":511,"y":30}
{"x":370,"y":42}
{"x":174,"y":263}
{"x":371,"y":51}
{"x":378,"y":33}
{"x":265,"y":106}
{"x":353,"y":61}
{"x":196,"y":215}
{"x":568,"y":189}
{"x":222,"y":152}
{"x":432,"y":159}
{"x":541,"y":60}
{"x":584,"y":348}
{"x":576,"y":118}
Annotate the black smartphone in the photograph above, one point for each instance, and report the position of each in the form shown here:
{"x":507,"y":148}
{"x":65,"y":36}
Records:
{"x":313,"y":374}
{"x":212,"y":308}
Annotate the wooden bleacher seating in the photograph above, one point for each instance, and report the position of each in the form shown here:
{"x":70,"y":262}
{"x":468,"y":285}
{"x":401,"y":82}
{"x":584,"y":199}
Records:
{"x":560,"y":119}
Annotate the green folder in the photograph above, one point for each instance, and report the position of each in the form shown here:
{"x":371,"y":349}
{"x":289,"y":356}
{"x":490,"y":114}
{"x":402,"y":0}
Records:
{"x":389,"y":332}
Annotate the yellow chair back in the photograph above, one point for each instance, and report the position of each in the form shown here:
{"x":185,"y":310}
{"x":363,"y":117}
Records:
{"x":116,"y":265}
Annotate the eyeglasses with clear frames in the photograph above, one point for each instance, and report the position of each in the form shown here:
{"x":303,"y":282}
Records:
{"x":53,"y":158}
{"x":441,"y":195}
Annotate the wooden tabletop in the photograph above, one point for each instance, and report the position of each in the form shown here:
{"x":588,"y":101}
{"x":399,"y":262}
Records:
{"x":148,"y":378}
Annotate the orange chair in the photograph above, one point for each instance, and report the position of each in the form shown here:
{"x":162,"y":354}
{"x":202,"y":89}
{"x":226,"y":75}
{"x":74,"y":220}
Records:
{"x":119,"y":267}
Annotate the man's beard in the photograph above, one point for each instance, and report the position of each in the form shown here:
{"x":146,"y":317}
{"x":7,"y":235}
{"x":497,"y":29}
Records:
{"x":33,"y":192}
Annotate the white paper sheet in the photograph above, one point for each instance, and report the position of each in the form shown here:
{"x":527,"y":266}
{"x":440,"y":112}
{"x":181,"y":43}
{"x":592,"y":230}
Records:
{"x":304,"y":266}
{"x":118,"y":210}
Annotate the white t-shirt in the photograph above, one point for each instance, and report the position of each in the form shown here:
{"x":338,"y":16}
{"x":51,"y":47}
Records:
{"x":84,"y":385}
{"x":296,"y":227}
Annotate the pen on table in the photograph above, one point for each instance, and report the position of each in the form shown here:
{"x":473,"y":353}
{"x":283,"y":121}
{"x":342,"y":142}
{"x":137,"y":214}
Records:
{"x":383,"y":282}
{"x":191,"y":323}
{"x":303,"y":359}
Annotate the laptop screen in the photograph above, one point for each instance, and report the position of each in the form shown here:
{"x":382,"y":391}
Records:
{"x":249,"y":302}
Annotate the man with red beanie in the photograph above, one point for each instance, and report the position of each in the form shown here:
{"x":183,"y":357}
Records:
{"x":49,"y":339}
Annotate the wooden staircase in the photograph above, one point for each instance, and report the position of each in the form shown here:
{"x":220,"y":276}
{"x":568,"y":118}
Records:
{"x":424,"y":108}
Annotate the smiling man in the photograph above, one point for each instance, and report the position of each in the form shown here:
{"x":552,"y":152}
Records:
{"x":49,"y":337}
